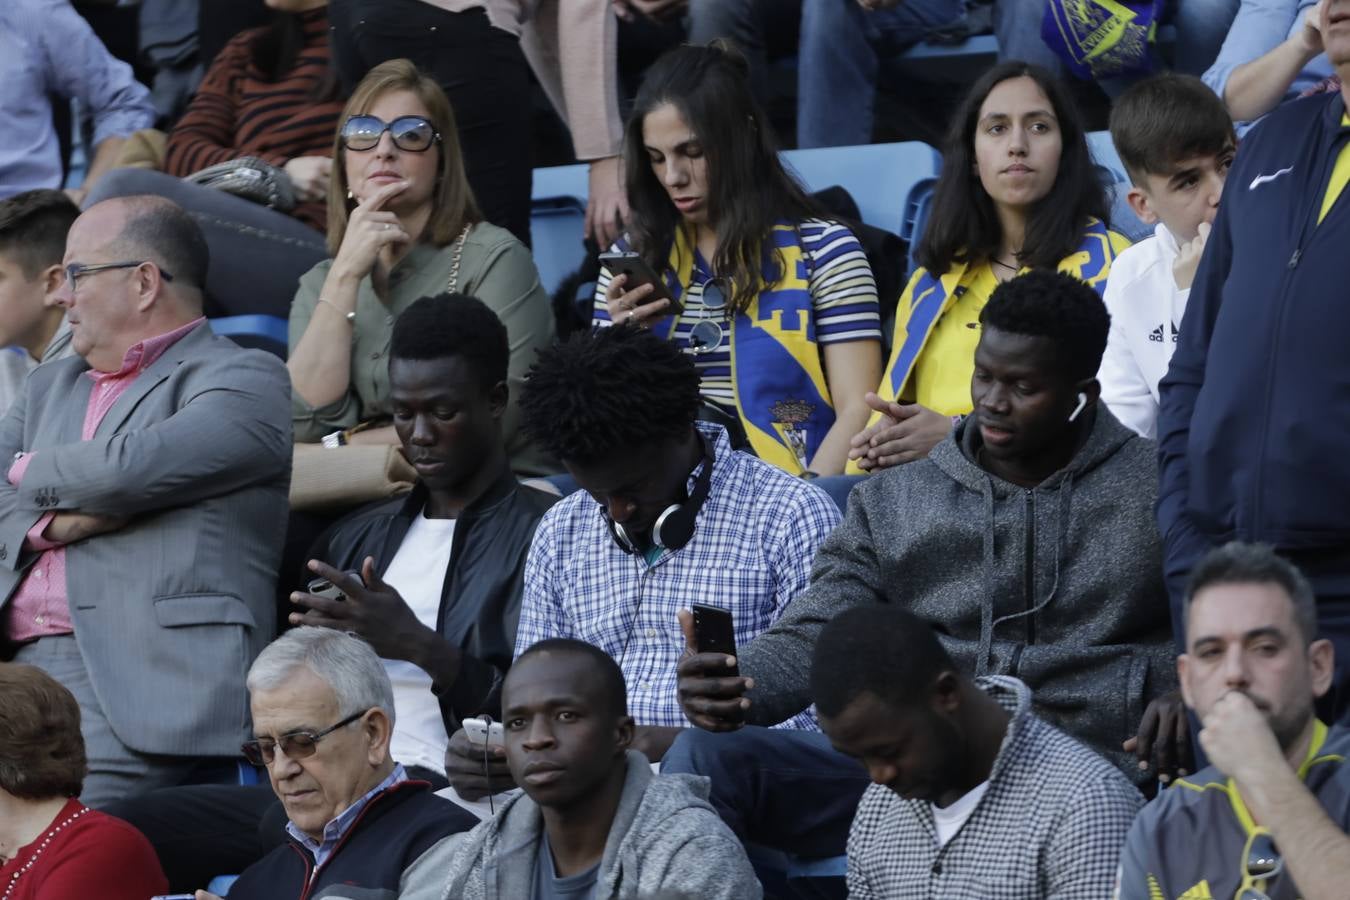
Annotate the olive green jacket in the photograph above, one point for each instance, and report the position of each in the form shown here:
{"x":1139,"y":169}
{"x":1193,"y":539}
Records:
{"x":496,"y":268}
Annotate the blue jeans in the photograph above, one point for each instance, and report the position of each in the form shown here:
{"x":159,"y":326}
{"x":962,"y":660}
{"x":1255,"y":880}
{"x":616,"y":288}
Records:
{"x":789,"y":790}
{"x":1201,"y":27}
{"x":839,"y":60}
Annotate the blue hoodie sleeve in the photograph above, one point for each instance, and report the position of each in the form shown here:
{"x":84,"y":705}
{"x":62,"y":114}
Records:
{"x":1183,"y":543}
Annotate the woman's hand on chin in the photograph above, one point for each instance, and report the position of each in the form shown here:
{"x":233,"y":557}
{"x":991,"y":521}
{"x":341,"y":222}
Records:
{"x":370,"y":229}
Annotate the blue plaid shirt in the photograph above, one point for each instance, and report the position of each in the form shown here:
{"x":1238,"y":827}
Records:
{"x":340,"y":824}
{"x":751,"y":553}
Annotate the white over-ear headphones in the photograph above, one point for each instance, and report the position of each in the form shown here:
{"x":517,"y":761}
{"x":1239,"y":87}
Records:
{"x":1077,"y":410}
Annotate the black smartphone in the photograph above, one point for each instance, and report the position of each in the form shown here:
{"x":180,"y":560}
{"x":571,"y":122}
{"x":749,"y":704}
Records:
{"x":639,"y":273}
{"x":322,"y":587}
{"x":714,"y":631}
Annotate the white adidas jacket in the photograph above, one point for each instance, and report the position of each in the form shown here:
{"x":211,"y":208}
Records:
{"x":1146,"y":309}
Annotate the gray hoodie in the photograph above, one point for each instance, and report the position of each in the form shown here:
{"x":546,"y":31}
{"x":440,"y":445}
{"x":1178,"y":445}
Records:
{"x":666,"y":840}
{"x":1060,"y":585}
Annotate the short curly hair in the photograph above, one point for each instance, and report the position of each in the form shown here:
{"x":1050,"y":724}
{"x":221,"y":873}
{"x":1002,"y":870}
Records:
{"x":41,"y":749}
{"x":1057,"y":306}
{"x":453,"y":325}
{"x":606,"y":391}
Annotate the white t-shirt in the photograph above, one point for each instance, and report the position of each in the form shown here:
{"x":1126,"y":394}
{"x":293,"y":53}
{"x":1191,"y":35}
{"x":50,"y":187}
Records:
{"x":949,"y":819}
{"x":417,"y":572}
{"x":1146,"y":307}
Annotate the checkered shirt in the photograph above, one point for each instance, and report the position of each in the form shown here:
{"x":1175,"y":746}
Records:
{"x":1051,"y":824}
{"x":751,"y":553}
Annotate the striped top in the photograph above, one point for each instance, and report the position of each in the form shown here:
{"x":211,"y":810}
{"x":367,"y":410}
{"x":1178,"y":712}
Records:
{"x":235,"y":112}
{"x":842,"y":288}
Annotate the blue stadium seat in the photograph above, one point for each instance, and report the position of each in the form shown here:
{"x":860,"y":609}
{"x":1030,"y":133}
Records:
{"x":880,"y":177}
{"x":256,"y":331}
{"x":557,"y":236}
{"x":221,"y":884}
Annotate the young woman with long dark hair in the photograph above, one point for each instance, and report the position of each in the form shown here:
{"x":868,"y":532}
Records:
{"x":779,"y":306}
{"x":1018,"y":191}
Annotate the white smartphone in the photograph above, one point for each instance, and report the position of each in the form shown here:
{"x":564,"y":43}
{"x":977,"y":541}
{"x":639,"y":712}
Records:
{"x":484,"y":731}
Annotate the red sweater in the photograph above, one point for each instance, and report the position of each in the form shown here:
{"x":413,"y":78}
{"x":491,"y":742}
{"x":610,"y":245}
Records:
{"x":94,"y":856}
{"x":235,"y":112}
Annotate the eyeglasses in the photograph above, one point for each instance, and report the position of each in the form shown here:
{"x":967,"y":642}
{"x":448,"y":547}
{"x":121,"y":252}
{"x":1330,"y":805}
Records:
{"x":707,"y":335}
{"x":411,"y":133}
{"x":296,"y":745}
{"x":75,"y":270}
{"x":1263,"y":863}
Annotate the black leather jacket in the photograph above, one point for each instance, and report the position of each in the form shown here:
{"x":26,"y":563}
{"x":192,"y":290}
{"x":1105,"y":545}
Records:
{"x":480,"y":596}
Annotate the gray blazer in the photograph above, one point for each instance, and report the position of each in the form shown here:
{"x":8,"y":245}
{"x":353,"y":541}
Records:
{"x":169,"y":611}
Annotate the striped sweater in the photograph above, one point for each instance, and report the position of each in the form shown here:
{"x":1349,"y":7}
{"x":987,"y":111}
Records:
{"x":843,"y":291}
{"x":235,"y":112}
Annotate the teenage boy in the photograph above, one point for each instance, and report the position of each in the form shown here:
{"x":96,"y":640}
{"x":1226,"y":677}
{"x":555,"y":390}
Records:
{"x":33,"y":228}
{"x":1176,"y":141}
{"x":593,"y":821}
{"x":972,"y":793}
{"x":668,"y":515}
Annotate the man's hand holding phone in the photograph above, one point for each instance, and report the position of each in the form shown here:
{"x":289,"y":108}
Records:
{"x":365,"y":606}
{"x":712,"y":694}
{"x":466,"y":772}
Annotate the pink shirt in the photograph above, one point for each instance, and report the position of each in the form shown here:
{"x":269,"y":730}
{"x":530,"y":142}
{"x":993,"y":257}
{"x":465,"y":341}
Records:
{"x":40,"y":606}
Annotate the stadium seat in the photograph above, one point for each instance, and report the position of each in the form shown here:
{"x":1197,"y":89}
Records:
{"x":557,"y":237}
{"x":221,"y":884}
{"x":879,"y":177}
{"x":256,"y":331}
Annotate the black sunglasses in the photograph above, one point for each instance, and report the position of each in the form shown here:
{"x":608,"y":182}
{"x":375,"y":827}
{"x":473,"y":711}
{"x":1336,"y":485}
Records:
{"x":411,"y":133}
{"x":296,"y":745}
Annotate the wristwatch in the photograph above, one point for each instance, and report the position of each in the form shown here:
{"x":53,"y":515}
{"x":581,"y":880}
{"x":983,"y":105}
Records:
{"x":335,"y":440}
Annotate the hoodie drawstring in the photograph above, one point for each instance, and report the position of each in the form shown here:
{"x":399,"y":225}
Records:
{"x":990,"y":585}
{"x":1061,"y":538}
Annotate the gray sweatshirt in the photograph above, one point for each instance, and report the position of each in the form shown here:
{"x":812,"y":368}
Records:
{"x":666,"y":840}
{"x":1060,"y":585}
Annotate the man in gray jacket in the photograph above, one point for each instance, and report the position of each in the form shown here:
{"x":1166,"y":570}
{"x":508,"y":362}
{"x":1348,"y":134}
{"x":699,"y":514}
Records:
{"x":1026,"y":540}
{"x":144,"y":505}
{"x":593,"y":821}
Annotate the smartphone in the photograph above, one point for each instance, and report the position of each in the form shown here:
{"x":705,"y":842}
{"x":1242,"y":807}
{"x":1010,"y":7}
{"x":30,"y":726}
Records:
{"x":639,"y":273}
{"x":714,"y":631}
{"x":484,"y":731}
{"x":322,"y":587}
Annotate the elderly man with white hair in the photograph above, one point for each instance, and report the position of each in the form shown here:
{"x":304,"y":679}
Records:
{"x":323,"y":711}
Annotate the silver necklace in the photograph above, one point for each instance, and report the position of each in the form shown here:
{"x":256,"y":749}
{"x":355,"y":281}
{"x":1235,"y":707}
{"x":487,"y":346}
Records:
{"x":48,"y":837}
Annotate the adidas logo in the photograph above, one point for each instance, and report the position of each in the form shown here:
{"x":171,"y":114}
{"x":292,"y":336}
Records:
{"x":1174,"y":332}
{"x":1156,"y":335}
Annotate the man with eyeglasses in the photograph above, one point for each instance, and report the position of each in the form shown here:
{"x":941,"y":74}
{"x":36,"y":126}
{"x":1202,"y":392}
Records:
{"x":143,"y":512}
{"x":1268,"y":818}
{"x":323,"y":715}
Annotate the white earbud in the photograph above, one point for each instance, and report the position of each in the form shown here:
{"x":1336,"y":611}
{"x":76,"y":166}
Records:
{"x":1077,"y":410}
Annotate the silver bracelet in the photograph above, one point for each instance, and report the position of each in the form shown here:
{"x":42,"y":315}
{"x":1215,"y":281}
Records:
{"x":350,"y":317}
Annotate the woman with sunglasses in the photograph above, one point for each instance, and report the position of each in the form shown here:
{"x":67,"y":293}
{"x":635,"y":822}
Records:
{"x":777,"y":305}
{"x":1018,"y":191}
{"x":402,"y":224}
